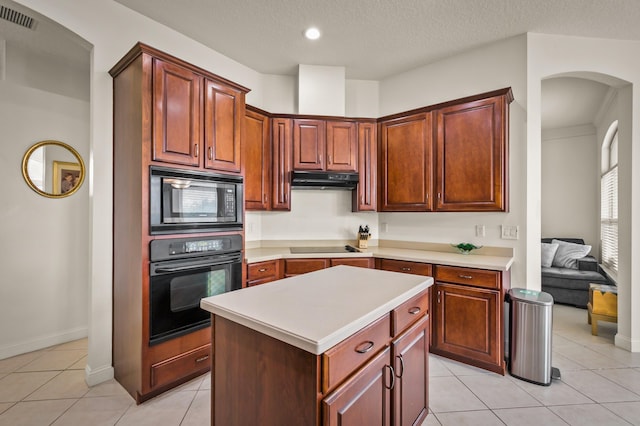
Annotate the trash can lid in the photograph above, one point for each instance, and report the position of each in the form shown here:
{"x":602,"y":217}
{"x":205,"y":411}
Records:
{"x":531,"y":296}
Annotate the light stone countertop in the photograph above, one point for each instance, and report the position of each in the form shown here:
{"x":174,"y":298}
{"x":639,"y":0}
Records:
{"x":480,"y":261}
{"x":318,"y":310}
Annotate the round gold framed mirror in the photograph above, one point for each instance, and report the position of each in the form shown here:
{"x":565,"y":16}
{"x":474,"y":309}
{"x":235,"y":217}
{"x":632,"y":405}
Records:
{"x":53,"y":169}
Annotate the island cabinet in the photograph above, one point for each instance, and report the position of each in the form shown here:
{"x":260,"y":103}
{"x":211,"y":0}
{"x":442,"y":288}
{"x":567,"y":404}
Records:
{"x":256,"y":160}
{"x":325,"y":145}
{"x":378,"y":375}
{"x":468,"y":316}
{"x":196,"y":117}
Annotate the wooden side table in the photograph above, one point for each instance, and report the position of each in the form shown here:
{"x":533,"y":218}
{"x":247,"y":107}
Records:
{"x":602,"y":306}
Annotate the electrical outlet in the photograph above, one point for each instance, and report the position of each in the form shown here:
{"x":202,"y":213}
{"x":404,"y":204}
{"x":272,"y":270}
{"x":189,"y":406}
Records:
{"x":480,"y":231}
{"x":384,"y":227}
{"x":510,"y":232}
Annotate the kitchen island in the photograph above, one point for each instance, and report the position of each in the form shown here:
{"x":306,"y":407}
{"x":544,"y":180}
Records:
{"x":342,"y":345}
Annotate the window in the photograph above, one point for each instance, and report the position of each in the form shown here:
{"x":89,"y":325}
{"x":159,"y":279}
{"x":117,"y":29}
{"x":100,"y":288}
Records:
{"x":609,"y":200}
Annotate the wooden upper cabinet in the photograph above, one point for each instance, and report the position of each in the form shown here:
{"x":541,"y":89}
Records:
{"x":309,"y":144}
{"x":281,"y":161}
{"x":177,"y":136}
{"x":256,"y":151}
{"x":342,"y":146}
{"x":472,"y":156}
{"x":223,"y":112}
{"x":406,"y":163}
{"x":365,"y":195}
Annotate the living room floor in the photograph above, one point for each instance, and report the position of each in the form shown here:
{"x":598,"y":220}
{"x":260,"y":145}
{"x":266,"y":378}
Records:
{"x":600,"y":385}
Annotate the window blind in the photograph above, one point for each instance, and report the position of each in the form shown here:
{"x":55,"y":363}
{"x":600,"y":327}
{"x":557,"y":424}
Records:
{"x":609,"y":218}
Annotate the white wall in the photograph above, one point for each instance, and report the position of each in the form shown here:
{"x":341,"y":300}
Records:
{"x":499,"y":65}
{"x":616,"y":63}
{"x":571,"y":185}
{"x":43,"y":255}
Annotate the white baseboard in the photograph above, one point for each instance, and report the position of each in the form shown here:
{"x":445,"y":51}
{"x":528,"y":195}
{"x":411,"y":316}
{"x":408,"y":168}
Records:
{"x":95,"y":376}
{"x":625,"y":342}
{"x":42,"y":342}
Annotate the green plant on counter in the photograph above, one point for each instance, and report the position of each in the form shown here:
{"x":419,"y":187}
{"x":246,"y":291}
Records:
{"x":465,"y":248}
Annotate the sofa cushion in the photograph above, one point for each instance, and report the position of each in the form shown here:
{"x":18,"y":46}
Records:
{"x":568,"y":254}
{"x":548,"y":253}
{"x":570,"y":278}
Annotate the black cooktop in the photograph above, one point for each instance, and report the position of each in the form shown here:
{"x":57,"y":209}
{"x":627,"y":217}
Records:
{"x":339,"y":249}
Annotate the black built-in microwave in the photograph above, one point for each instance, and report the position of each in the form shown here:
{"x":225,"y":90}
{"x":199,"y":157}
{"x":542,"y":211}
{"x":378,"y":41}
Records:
{"x":184,"y":201}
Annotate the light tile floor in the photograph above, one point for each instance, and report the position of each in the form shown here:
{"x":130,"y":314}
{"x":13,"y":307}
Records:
{"x":600,"y":385}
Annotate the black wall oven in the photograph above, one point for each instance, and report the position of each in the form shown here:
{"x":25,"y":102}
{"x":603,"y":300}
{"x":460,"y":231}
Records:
{"x":182,"y":272}
{"x":189,"y":201}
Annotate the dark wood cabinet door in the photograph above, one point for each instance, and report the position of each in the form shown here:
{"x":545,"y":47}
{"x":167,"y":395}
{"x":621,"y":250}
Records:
{"x":472,"y":156}
{"x":256,"y":149}
{"x":342,"y":146}
{"x":466,"y":325}
{"x":365,"y":195}
{"x":410,"y":354}
{"x":281,"y":160}
{"x":365,"y":399}
{"x":223,"y":112}
{"x":406,"y":163}
{"x":176,"y":114}
{"x":302,"y":266}
{"x":309,"y":144}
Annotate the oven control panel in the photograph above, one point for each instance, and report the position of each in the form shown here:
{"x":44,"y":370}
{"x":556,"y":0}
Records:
{"x":175,"y":248}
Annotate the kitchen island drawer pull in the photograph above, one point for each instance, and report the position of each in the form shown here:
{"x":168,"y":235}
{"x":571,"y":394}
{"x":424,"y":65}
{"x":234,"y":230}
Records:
{"x":365,"y":347}
{"x":415,"y":310}
{"x":466,"y":277}
{"x":202,"y":358}
{"x":262,"y":269}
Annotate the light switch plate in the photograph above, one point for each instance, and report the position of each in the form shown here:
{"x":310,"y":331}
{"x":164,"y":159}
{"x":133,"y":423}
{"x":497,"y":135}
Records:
{"x":510,"y":232}
{"x":480,"y":231}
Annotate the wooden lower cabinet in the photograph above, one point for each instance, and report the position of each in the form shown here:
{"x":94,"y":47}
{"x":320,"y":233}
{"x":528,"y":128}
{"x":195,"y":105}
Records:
{"x":373,"y":377}
{"x":467,"y":325}
{"x":264,"y":272}
{"x":302,"y":266}
{"x":361,"y":262}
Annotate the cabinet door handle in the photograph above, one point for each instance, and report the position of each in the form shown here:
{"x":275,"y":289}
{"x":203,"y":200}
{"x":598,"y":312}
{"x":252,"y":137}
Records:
{"x":262,"y":269}
{"x":466,"y":277}
{"x":415,"y":310}
{"x":197,"y":149}
{"x":202,"y":358}
{"x":210,"y":151}
{"x":329,"y":159}
{"x":399,"y":375}
{"x":264,"y":198}
{"x":365,"y":347}
{"x":438,"y":296}
{"x":393,"y":377}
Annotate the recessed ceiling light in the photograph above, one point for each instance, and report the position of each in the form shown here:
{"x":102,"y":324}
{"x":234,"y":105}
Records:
{"x":312,"y":33}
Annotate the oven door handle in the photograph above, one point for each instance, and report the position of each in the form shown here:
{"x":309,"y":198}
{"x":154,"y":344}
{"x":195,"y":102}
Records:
{"x":219,"y":261}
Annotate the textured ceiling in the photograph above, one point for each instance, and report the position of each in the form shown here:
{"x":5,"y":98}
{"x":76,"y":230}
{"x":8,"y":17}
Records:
{"x":374,"y":39}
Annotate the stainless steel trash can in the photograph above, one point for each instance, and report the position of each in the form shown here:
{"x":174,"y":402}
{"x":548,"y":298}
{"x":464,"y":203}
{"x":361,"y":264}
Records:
{"x":529,"y":335}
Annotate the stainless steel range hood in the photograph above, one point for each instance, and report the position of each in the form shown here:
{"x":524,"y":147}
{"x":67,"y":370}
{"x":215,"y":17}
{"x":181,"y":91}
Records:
{"x":323,"y":180}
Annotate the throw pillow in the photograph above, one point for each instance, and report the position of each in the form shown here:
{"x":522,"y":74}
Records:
{"x":548,"y":253}
{"x":568,"y":254}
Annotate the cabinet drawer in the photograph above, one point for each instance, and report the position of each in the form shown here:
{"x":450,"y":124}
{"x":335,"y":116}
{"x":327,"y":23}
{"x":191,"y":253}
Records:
{"x":406,"y":267}
{"x":409,"y":312}
{"x":262,"y":270}
{"x":175,"y":368}
{"x":345,"y":357}
{"x":302,"y":266}
{"x":468,"y":276}
{"x":362,"y":262}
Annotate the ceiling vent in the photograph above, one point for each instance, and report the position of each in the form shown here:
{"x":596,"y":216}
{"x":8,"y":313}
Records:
{"x":17,"y":18}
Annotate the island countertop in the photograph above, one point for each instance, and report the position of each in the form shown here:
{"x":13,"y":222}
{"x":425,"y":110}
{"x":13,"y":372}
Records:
{"x":315,"y":311}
